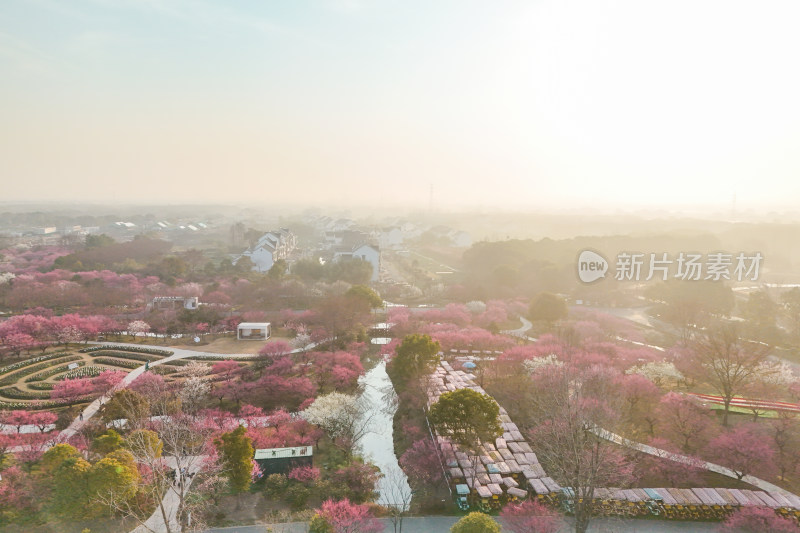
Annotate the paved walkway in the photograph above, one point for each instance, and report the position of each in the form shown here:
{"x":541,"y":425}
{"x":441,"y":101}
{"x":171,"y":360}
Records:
{"x":156,"y":522}
{"x":26,"y":428}
{"x":521,"y":332}
{"x":172,"y":499}
{"x":678,"y":458}
{"x":178,"y":353}
{"x":411,"y":525}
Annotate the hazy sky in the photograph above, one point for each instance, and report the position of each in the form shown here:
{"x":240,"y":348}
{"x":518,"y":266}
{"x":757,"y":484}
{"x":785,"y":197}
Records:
{"x":530,"y":103}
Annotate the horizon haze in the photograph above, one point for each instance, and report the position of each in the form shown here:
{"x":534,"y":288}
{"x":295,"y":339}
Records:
{"x":521,"y":105}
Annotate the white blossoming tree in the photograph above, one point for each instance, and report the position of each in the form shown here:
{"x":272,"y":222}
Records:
{"x":775,"y":373}
{"x":661,"y":373}
{"x":344,"y":417}
{"x":301,"y":340}
{"x":193,"y":394}
{"x":535,"y":364}
{"x":476,"y":307}
{"x":138,"y":327}
{"x":196,"y":369}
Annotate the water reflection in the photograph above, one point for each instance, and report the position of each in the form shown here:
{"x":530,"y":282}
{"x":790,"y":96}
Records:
{"x":377,"y":445}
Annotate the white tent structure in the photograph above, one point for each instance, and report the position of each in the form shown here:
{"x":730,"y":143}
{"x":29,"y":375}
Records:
{"x":253,"y":331}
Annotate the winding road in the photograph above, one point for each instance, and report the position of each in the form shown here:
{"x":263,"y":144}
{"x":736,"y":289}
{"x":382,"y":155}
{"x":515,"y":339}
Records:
{"x":522,"y":331}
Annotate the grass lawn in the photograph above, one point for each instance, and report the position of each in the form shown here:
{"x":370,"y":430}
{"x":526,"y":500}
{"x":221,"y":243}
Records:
{"x":228,"y":345}
{"x":255,"y":507}
{"x":743,"y":411}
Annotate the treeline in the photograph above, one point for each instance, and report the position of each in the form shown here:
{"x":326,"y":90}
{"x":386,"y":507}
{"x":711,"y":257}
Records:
{"x":527,"y":267}
{"x":354,"y":271}
{"x":103,"y":253}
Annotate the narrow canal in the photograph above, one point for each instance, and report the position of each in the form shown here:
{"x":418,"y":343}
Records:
{"x":378,"y":444}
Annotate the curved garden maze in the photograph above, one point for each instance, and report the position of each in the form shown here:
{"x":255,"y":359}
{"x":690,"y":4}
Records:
{"x":38,"y":382}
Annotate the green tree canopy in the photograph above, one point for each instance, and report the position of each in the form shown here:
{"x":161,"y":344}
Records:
{"x":70,"y":483}
{"x":52,"y":458}
{"x":114,"y":475}
{"x":125,"y":458}
{"x":98,"y":241}
{"x":547,"y":307}
{"x":144,"y":442}
{"x":467,"y":417}
{"x":308,"y":269}
{"x":243,"y":265}
{"x":278,"y":269}
{"x":107,"y":442}
{"x":476,"y":522}
{"x":319,"y":524}
{"x":362,"y":292}
{"x":236,"y":450}
{"x":791,"y":301}
{"x":761,"y":312}
{"x":353,"y":271}
{"x":127,"y":404}
{"x":687,"y":305}
{"x":415,"y":357}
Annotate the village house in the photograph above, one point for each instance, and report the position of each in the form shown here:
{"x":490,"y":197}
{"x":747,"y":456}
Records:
{"x":175,"y":302}
{"x":270,"y":247}
{"x":363,"y":251}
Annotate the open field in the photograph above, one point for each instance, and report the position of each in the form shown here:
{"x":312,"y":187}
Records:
{"x":229,"y":345}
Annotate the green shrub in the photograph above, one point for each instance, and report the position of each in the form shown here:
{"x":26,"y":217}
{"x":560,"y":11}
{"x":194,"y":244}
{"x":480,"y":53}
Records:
{"x":26,"y":362}
{"x":476,"y":522}
{"x":15,"y":393}
{"x":275,"y":485}
{"x":318,"y":524}
{"x":40,"y":385}
{"x":126,"y":355}
{"x":122,"y":363}
{"x":297,"y":496}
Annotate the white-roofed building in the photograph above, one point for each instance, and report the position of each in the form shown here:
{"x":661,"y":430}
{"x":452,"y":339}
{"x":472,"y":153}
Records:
{"x":253,"y":331}
{"x":271,"y":246}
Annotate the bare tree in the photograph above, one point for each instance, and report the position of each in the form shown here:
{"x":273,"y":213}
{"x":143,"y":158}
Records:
{"x":173,"y":452}
{"x":570,"y":403}
{"x":397,"y":495}
{"x":728,"y":363}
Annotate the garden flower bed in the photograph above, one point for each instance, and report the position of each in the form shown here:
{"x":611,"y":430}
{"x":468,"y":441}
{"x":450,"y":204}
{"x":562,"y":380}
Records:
{"x":84,"y":372}
{"x":134,"y":349}
{"x":15,"y":393}
{"x":16,"y":376}
{"x":41,"y":376}
{"x":122,"y":363}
